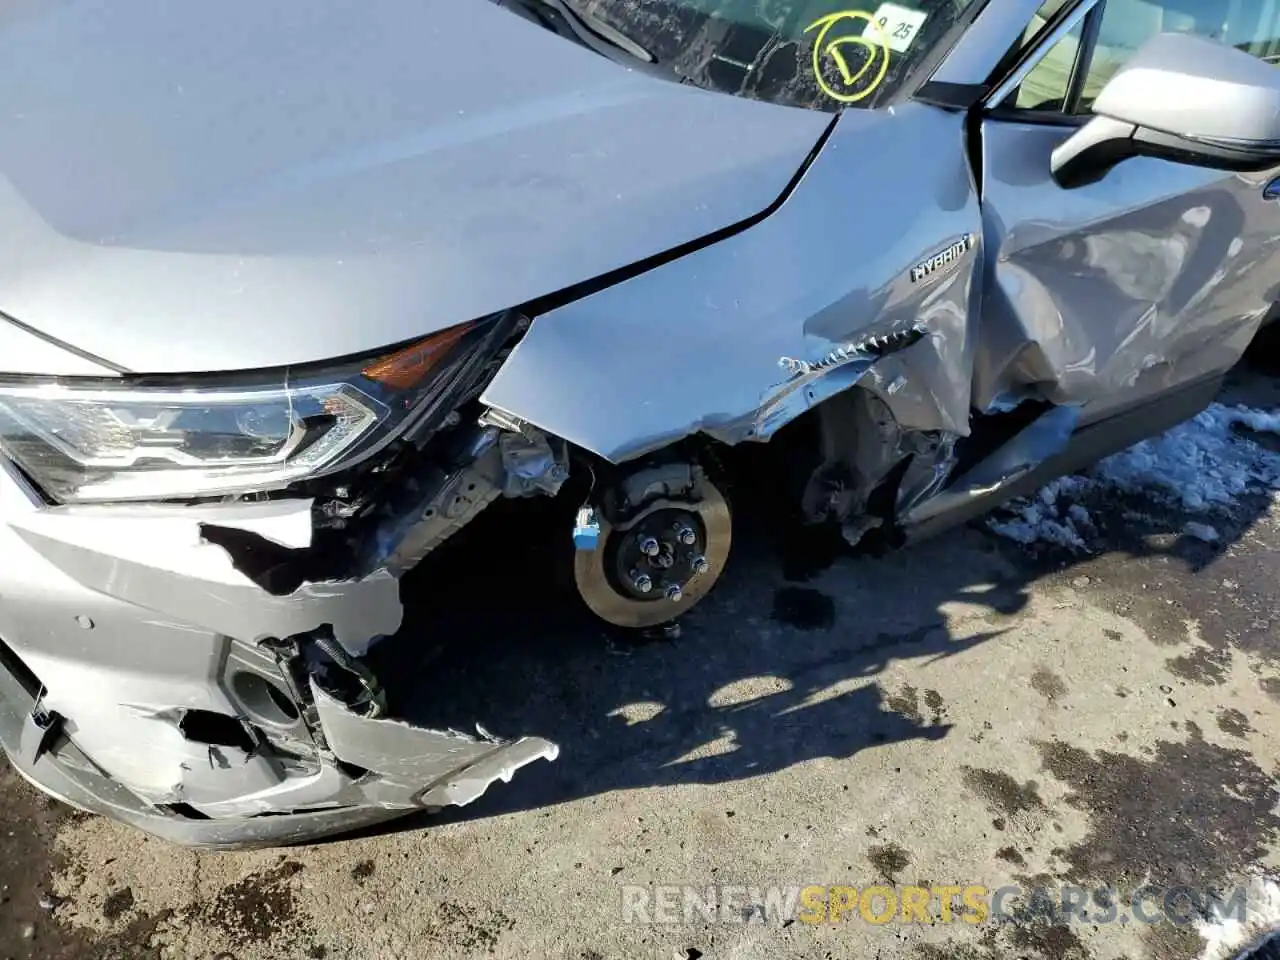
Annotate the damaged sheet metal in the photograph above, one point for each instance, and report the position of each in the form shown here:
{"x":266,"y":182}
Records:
{"x":694,"y":345}
{"x":193,"y":668}
{"x":504,"y":457}
{"x":1030,"y":447}
{"x":155,"y":556}
{"x":447,"y":500}
{"x":1154,"y":277}
{"x":814,"y":381}
{"x":450,"y":767}
{"x":1147,"y":281}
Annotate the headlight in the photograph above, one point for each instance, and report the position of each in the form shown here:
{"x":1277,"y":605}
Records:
{"x":95,"y":442}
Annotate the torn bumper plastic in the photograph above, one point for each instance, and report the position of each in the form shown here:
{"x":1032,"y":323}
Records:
{"x":456,"y":770}
{"x":146,"y":676}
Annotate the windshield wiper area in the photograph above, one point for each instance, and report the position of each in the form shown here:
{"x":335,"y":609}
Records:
{"x":589,"y":31}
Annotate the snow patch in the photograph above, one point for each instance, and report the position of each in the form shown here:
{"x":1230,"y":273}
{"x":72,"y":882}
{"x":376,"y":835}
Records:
{"x":1260,"y":420}
{"x":1039,"y":518}
{"x":1202,"y":466}
{"x":1199,"y":463}
{"x":1230,"y":936}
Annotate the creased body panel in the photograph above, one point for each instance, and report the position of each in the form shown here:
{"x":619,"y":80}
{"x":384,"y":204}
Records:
{"x":1151,"y":278}
{"x":701,"y":343}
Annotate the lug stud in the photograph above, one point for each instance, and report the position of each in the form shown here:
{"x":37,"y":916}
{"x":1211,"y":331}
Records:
{"x":641,"y":582}
{"x":686,"y":535}
{"x":649,"y":546}
{"x":699,"y":565}
{"x":674,"y":593}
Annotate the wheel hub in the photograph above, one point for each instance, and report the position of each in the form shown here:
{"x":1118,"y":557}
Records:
{"x":657,"y":563}
{"x":650,"y":557}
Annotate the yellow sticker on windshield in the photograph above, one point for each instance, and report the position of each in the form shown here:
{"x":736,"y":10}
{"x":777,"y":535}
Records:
{"x":849,"y":85}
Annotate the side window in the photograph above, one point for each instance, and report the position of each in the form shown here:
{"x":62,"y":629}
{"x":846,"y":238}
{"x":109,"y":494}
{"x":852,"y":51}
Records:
{"x":1047,"y":85}
{"x":1070,"y":76}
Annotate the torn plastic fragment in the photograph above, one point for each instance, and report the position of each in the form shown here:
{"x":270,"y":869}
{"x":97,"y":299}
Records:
{"x":450,"y":767}
{"x":469,"y":784}
{"x":167,"y":566}
{"x":284,"y":522}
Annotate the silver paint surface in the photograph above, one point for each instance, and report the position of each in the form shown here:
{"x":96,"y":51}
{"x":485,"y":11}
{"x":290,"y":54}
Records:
{"x":1181,"y":84}
{"x":831,"y":266}
{"x":457,"y":768}
{"x":288,"y":183}
{"x":1159,"y":272}
{"x":264,"y":184}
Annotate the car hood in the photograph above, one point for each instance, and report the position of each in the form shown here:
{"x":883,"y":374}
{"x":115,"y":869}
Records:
{"x":255,"y":183}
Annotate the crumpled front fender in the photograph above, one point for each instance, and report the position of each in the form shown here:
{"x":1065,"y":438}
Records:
{"x":709,"y":342}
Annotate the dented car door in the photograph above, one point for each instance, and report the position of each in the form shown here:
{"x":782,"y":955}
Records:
{"x":1149,"y":279}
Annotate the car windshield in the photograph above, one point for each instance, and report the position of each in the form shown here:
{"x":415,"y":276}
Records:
{"x":820,"y":54}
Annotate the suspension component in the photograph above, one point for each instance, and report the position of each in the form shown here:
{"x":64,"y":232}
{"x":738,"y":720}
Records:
{"x":665,"y":534}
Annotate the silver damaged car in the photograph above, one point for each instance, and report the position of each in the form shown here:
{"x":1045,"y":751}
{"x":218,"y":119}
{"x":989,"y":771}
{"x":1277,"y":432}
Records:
{"x":291,"y":293}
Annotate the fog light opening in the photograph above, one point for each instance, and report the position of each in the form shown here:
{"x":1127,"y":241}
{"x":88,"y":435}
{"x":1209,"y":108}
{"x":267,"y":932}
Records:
{"x":264,"y":700}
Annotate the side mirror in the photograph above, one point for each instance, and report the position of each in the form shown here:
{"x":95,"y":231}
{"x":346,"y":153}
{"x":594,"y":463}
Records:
{"x":1182,"y":98}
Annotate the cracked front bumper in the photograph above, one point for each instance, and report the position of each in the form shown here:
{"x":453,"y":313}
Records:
{"x":141,"y":678}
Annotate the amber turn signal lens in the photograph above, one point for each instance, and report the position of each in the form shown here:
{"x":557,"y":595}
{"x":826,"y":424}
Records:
{"x":408,"y":367}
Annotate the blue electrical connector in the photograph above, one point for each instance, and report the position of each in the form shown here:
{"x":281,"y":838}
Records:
{"x":586,"y":530}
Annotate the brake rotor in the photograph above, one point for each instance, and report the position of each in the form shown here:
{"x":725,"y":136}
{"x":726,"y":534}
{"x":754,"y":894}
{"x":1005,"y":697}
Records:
{"x":658,"y":563}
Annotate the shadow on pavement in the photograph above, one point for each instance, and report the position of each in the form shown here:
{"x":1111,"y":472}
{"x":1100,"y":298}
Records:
{"x":771,"y":671}
{"x":767,"y":673}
